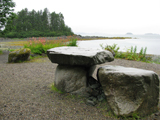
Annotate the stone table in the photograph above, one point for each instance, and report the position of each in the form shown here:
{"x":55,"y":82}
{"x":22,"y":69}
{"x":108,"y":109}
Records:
{"x":73,"y":66}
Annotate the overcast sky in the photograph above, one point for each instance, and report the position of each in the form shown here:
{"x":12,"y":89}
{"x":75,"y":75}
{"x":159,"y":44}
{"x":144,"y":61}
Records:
{"x":102,"y":16}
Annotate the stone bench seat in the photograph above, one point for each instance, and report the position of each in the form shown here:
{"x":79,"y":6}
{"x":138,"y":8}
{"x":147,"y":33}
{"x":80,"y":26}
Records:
{"x":129,"y":90}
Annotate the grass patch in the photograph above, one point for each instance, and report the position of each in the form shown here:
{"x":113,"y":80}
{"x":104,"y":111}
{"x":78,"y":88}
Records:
{"x":68,"y":95}
{"x":1,"y":52}
{"x":11,"y":50}
{"x":37,"y":59}
{"x":135,"y":116}
{"x":53,"y":88}
{"x":15,"y":43}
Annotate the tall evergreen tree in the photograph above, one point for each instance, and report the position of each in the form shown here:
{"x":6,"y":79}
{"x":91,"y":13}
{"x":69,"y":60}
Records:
{"x":54,"y":21}
{"x":36,"y":24}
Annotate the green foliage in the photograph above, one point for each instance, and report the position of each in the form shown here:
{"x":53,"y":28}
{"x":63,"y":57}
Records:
{"x":37,"y":24}
{"x":135,"y":116}
{"x":53,"y":88}
{"x":11,"y":50}
{"x":1,"y":52}
{"x":133,"y":55}
{"x":111,"y":48}
{"x":6,"y":15}
{"x":40,"y":45}
{"x":36,"y":57}
{"x":50,"y":45}
{"x":130,"y":54}
{"x":36,"y":48}
{"x":72,"y":42}
{"x":12,"y":35}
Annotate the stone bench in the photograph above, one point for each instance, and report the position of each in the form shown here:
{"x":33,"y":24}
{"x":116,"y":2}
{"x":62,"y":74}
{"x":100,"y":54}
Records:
{"x":73,"y":65}
{"x":129,"y":90}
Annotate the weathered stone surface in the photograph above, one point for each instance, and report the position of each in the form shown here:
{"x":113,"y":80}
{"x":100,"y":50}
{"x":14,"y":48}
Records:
{"x":79,"y":56}
{"x":130,"y":90}
{"x":71,"y":79}
{"x":93,"y":71}
{"x":95,"y":91}
{"x":19,"y":55}
{"x":91,"y":101}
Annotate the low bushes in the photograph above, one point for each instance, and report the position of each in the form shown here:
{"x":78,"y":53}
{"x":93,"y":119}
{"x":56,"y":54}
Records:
{"x":33,"y":33}
{"x":130,"y":54}
{"x":41,"y":45}
{"x":72,"y":42}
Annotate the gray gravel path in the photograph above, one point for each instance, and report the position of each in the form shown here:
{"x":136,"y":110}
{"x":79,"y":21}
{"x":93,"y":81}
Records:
{"x":25,"y":93}
{"x":4,"y":57}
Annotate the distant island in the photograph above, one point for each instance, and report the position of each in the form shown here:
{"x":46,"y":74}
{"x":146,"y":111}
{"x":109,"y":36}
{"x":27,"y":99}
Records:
{"x":129,"y":33}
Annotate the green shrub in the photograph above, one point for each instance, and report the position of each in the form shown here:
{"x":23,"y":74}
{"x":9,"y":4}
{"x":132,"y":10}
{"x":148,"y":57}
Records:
{"x":49,"y":46}
{"x":110,"y":48}
{"x":1,"y":52}
{"x":36,"y":46}
{"x":72,"y":42}
{"x":133,"y":55}
{"x":130,"y":54}
{"x":40,"y":45}
{"x":11,"y":35}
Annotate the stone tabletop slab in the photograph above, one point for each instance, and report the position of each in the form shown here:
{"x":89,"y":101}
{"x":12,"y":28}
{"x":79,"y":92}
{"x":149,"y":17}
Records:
{"x":79,"y":56}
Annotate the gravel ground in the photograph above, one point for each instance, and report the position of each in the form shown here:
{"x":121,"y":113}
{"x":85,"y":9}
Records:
{"x":25,"y":93}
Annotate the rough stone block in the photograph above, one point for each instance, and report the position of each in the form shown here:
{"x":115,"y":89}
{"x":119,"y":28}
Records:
{"x":130,"y":90}
{"x":71,"y":79}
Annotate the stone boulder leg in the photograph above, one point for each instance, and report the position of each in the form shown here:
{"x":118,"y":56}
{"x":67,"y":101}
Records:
{"x":130,"y":90}
{"x":71,"y":79}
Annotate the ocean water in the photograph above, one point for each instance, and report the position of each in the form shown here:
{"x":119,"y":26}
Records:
{"x":152,"y":42}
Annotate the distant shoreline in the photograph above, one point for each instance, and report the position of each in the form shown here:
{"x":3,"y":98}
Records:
{"x":79,"y":37}
{"x":100,"y":37}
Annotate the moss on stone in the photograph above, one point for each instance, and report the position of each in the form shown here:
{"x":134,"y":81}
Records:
{"x":19,"y":55}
